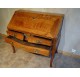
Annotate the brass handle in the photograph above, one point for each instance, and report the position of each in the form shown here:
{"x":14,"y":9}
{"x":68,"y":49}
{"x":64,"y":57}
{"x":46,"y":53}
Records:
{"x":38,"y":41}
{"x":36,"y":51}
{"x":11,"y":43}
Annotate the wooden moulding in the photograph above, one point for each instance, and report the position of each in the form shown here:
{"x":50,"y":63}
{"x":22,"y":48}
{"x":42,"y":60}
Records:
{"x":43,"y":50}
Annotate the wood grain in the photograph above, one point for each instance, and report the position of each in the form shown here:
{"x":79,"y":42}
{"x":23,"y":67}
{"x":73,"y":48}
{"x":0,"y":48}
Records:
{"x":45,"y":25}
{"x":38,"y":40}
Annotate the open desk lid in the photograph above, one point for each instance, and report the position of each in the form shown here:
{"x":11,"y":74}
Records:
{"x":41,"y":24}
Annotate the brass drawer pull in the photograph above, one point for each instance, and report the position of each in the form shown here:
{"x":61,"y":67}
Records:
{"x":38,"y":41}
{"x":14,"y":35}
{"x":11,"y":43}
{"x":36,"y":51}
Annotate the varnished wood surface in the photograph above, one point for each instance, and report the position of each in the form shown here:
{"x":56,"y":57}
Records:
{"x":41,"y":24}
{"x":38,"y":40}
{"x":27,"y":47}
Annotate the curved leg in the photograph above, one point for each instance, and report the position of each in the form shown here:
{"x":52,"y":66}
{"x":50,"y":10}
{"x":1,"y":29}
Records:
{"x":13,"y":48}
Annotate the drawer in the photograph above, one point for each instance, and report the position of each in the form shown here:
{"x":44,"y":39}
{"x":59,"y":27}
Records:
{"x":29,"y":48}
{"x":37,"y":40}
{"x":16,"y":34}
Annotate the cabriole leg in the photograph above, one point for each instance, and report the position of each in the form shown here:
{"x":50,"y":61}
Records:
{"x":14,"y":51}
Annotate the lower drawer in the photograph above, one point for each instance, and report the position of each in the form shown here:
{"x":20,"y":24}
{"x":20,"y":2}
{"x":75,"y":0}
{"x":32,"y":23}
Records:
{"x":26,"y":46}
{"x":16,"y":34}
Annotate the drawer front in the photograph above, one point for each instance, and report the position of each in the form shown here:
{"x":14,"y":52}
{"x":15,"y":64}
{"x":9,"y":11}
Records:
{"x":31,"y":49}
{"x":16,"y":34}
{"x":38,"y":40}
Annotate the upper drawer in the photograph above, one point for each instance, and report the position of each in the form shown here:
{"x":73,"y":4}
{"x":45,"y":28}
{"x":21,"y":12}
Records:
{"x":16,"y":34}
{"x":38,"y":40}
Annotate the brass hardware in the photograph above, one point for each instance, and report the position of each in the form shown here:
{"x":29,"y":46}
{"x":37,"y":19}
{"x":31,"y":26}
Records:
{"x":27,"y":35}
{"x":11,"y":43}
{"x":36,"y":51}
{"x":38,"y":41}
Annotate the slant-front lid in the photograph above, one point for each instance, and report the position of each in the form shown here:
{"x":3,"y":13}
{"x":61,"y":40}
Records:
{"x":41,"y":24}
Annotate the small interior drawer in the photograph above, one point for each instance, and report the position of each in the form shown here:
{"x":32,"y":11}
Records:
{"x":15,"y":34}
{"x":29,"y":47}
{"x":38,"y":40}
